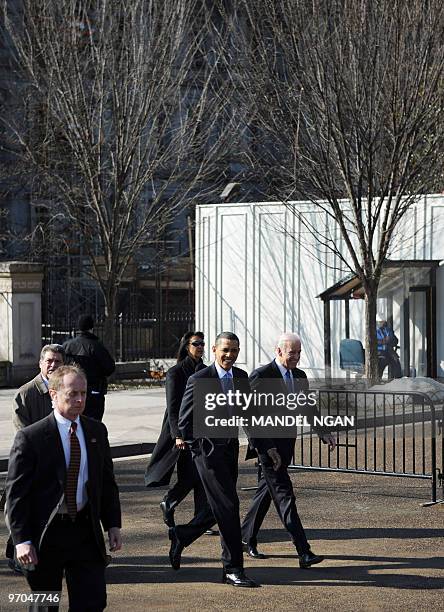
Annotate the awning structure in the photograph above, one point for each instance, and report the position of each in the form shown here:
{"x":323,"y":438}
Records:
{"x":412,"y":279}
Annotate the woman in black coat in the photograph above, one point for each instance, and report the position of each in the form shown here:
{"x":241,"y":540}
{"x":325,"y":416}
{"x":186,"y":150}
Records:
{"x":170,"y":448}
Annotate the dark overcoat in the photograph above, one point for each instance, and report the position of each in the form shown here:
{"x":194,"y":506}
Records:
{"x":165,"y":453}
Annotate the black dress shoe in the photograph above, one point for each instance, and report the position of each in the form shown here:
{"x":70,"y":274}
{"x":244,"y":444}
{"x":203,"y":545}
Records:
{"x":253,"y":552}
{"x":212,"y":532}
{"x":308,"y":559}
{"x":168,"y":513}
{"x":238,"y":579}
{"x":176,"y":549}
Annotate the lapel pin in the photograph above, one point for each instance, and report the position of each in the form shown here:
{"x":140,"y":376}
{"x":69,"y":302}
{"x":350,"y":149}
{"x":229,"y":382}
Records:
{"x":93,"y":440}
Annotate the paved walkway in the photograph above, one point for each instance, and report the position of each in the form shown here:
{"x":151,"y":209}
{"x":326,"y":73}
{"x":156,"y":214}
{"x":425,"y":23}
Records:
{"x":383,"y":551}
{"x":132,"y":417}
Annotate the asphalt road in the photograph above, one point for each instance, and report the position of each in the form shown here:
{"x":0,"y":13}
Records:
{"x":383,"y":551}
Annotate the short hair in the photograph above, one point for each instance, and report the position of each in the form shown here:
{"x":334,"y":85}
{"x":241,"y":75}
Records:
{"x":53,"y":348}
{"x":85,"y":322}
{"x":184,"y":341}
{"x":56,"y":380}
{"x":226,"y":336}
{"x":287,"y":337}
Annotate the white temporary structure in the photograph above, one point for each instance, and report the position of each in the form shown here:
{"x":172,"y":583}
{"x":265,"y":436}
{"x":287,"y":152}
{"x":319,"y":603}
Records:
{"x":260,"y":270}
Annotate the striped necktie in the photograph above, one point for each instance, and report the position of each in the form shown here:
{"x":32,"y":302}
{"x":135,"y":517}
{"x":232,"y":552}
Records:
{"x":73,"y":472}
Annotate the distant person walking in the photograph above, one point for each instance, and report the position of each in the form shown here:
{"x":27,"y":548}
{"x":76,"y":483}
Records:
{"x":387,"y":342}
{"x":91,"y":355}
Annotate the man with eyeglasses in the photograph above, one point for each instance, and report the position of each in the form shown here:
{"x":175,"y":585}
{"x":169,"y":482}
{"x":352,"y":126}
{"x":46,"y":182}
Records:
{"x":32,"y":401}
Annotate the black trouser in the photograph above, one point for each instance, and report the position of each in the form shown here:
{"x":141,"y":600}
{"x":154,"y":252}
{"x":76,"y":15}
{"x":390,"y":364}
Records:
{"x":187,"y":479}
{"x":389,"y":358}
{"x":9,"y":552}
{"x":71,"y":547}
{"x":276,"y":486}
{"x":94,"y":406}
{"x":218,"y":469}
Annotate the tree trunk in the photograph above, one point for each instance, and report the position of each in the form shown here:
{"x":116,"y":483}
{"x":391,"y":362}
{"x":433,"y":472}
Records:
{"x":371,"y":346}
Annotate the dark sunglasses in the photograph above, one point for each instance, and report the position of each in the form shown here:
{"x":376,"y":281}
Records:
{"x":198,"y":343}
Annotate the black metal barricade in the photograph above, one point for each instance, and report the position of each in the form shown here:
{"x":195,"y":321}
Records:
{"x":389,"y":434}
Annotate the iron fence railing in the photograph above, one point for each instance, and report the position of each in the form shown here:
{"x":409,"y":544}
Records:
{"x":136,"y":337}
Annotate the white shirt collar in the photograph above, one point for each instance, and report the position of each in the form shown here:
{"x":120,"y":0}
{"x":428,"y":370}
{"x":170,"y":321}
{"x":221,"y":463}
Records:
{"x":61,"y":419}
{"x":282,"y":369}
{"x":221,"y":372}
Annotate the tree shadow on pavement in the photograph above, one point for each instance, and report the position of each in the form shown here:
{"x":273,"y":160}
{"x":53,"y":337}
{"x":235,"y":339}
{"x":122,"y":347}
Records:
{"x":358,"y":533}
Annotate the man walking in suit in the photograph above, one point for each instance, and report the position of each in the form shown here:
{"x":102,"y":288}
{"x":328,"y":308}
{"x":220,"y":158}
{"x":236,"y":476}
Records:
{"x":32,"y":401}
{"x":60,"y":489}
{"x":216,"y":461}
{"x":279,"y":376}
{"x":87,"y":351}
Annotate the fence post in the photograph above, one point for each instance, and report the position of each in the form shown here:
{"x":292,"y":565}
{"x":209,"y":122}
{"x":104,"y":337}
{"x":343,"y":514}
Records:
{"x":121,"y":336}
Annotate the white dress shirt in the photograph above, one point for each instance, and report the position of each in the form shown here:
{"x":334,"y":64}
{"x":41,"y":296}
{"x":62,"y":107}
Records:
{"x":221,"y":372}
{"x":64,"y":426}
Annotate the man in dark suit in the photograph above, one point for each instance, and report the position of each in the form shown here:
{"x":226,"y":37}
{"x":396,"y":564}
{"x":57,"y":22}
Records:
{"x":87,"y":351}
{"x":32,"y":401}
{"x":280,"y":376}
{"x":60,"y":489}
{"x":216,"y":460}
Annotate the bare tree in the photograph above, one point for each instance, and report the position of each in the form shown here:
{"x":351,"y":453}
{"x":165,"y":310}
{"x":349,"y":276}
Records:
{"x":345,"y":103}
{"x":122,"y":121}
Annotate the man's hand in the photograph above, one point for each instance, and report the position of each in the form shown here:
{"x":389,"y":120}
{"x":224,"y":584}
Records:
{"x":275,"y":458}
{"x":26,"y":554}
{"x":115,"y":539}
{"x":181,"y":444}
{"x":329,"y":439}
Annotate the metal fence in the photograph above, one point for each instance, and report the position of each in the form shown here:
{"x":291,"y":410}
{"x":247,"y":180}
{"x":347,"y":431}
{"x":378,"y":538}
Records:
{"x":393,"y":434}
{"x":136,"y":338}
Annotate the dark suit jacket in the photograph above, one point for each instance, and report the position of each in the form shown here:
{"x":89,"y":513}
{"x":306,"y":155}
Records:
{"x":31,"y":403}
{"x":165,"y":454}
{"x":93,"y":357}
{"x":36,"y":480}
{"x":260,"y":381}
{"x":240,"y":382}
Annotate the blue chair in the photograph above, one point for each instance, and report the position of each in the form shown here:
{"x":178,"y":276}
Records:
{"x":352,"y":356}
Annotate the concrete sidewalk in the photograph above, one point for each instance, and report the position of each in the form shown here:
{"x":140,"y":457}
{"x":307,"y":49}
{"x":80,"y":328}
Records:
{"x":383,"y":551}
{"x":132,"y":416}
